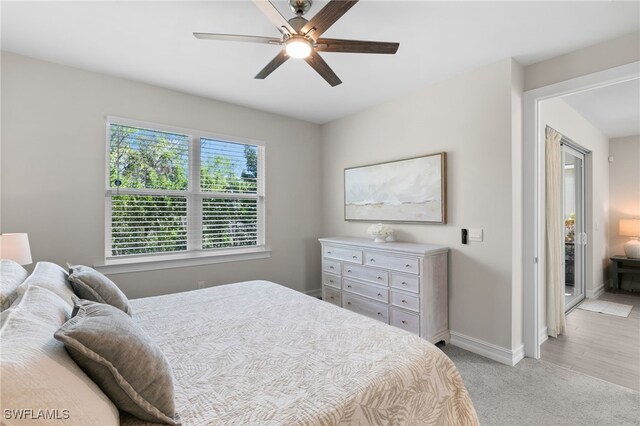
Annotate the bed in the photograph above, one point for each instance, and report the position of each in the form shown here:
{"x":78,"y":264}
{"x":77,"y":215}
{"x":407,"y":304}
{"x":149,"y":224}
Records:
{"x":259,"y":353}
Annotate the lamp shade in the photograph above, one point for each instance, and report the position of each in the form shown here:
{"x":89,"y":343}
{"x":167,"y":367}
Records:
{"x":15,"y":247}
{"x":630,"y":227}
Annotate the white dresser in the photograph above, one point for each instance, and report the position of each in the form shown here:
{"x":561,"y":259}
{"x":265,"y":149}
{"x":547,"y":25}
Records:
{"x":402,"y":284}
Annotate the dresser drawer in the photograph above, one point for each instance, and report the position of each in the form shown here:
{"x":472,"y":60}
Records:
{"x":331,"y":266}
{"x":396,"y":263}
{"x":332,"y":296}
{"x":342,"y":253}
{"x":331,"y":280}
{"x":405,"y":282}
{"x":369,"y":290}
{"x":368,"y":274}
{"x":405,"y":321}
{"x":365,"y":307}
{"x":405,"y":300}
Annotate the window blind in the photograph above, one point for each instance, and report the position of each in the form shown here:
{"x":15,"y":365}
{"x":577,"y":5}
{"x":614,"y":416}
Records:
{"x":178,"y":192}
{"x":229,"y":223}
{"x":148,"y":224}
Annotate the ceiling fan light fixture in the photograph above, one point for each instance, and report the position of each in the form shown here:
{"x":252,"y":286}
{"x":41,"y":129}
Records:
{"x":298,"y":47}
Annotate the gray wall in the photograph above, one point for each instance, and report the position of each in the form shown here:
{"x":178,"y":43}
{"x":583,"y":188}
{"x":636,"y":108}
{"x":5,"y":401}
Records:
{"x":598,"y":57}
{"x":469,"y":117}
{"x":53,"y":161}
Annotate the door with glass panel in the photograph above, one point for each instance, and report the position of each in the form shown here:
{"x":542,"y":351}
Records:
{"x":575,"y":238}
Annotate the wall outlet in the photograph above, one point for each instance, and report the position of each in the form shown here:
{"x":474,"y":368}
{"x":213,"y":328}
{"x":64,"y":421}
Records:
{"x":201,"y":284}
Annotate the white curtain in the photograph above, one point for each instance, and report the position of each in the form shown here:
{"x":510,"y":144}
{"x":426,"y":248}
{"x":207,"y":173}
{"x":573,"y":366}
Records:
{"x":554,"y":261}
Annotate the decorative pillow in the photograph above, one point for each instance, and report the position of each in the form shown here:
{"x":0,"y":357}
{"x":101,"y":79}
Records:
{"x":37,"y":372}
{"x":90,"y":284}
{"x":52,"y":277}
{"x":11,"y":276}
{"x":121,"y":359}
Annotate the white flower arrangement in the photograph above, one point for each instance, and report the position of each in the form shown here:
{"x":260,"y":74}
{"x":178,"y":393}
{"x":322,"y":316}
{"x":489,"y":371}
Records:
{"x":380,"y":232}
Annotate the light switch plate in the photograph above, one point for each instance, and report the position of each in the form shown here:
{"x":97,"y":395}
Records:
{"x":475,"y":234}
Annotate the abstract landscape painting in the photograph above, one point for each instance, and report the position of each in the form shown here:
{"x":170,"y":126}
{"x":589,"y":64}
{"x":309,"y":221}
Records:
{"x":412,"y":190}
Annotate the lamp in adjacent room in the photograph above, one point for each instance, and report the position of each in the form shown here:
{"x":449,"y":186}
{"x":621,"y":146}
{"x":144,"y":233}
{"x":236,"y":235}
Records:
{"x":15,"y":247}
{"x":631,"y":228}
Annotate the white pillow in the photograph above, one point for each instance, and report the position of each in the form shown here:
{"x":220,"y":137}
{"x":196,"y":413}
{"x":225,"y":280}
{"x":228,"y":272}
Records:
{"x":40,"y":381}
{"x":11,"y":276}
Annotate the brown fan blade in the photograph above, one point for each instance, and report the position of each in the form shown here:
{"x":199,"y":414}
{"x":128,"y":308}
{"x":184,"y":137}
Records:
{"x":329,"y":14}
{"x":233,"y":37}
{"x":356,"y":46}
{"x":321,"y":67}
{"x":280,"y":59}
{"x":273,"y":15}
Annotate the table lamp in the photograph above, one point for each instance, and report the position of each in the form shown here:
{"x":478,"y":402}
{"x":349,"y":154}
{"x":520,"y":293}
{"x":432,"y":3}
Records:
{"x":15,"y":247}
{"x":631,"y":228}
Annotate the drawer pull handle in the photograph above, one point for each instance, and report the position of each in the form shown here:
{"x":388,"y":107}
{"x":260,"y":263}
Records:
{"x":330,"y":297}
{"x":407,"y":266}
{"x":349,"y":286}
{"x":355,"y":257}
{"x":380,"y":294}
{"x":404,"y":283}
{"x":404,"y":301}
{"x":330,"y":267}
{"x":380,"y":313}
{"x":330,"y":281}
{"x":348,"y":270}
{"x":372,"y":260}
{"x":328,"y":252}
{"x":379,"y":278}
{"x":404,"y":322}
{"x":348,"y":303}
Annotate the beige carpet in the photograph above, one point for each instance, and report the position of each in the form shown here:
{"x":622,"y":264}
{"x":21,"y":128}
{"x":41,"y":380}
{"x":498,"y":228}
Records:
{"x":540,"y":393}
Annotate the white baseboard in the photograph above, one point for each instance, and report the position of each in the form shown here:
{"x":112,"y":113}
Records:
{"x":317,"y":293}
{"x":486,"y":349}
{"x":594,"y":294}
{"x":544,"y":335}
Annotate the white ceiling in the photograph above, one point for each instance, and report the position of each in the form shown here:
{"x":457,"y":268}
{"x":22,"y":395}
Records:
{"x":151,"y":42}
{"x":613,"y":109}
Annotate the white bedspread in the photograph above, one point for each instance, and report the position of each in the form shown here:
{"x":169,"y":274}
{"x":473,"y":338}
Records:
{"x":260,"y":353}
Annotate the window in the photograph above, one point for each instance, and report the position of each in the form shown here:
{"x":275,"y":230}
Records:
{"x":181,"y":192}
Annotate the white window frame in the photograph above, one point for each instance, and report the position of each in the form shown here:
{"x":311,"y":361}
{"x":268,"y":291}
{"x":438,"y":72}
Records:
{"x":194,"y":255}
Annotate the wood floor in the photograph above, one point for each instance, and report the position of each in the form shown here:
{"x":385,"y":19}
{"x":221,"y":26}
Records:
{"x":602,"y":346}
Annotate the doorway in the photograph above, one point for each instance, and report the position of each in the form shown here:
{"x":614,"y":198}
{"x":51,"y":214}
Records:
{"x":573,"y":215}
{"x":533,"y":263}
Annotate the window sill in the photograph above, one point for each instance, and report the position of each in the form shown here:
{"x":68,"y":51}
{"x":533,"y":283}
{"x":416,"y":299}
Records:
{"x":168,"y":261}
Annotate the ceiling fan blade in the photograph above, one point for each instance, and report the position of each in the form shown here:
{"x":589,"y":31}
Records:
{"x":280,"y":59}
{"x":322,"y":68}
{"x":273,"y":15}
{"x":233,"y":37}
{"x":356,"y":46}
{"x":327,"y":16}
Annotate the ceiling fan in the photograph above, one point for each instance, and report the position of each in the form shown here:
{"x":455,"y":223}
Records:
{"x":301,"y":37}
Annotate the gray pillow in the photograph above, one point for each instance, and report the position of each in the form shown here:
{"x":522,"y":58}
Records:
{"x":121,"y":359}
{"x":11,"y":276}
{"x":52,"y":277}
{"x":90,"y":284}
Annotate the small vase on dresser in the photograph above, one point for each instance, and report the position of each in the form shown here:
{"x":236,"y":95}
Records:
{"x":401,"y":284}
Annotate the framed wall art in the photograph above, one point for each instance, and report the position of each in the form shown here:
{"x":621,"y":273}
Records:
{"x":411,"y":190}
